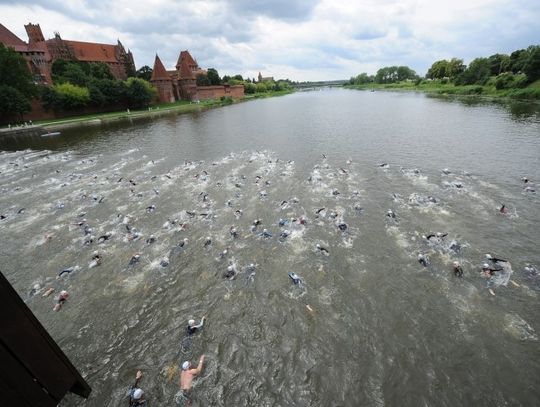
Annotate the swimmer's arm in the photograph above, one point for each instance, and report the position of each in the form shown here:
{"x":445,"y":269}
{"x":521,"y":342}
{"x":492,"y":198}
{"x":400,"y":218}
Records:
{"x":198,"y":370}
{"x":201,"y":324}
{"x":138,"y":378}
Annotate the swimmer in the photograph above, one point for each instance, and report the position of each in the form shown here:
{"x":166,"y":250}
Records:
{"x":164,"y":262}
{"x":223,"y":253}
{"x":192,"y":328}
{"x":233,"y":232}
{"x":335,"y":192}
{"x":68,"y":270}
{"x":254,"y":225}
{"x":458,"y":271}
{"x":383,"y":165}
{"x":390,"y":214}
{"x":318,"y":211}
{"x":285,"y":234}
{"x":503,"y":209}
{"x":104,"y":237}
{"x":263,"y":194}
{"x":295,"y":278}
{"x":96,"y":260}
{"x":88,"y":240}
{"x":250,"y":272}
{"x":322,"y":250}
{"x":134,"y":259}
{"x":423,"y":260}
{"x":151,"y":239}
{"x":62,"y":297}
{"x":238,"y":213}
{"x":207,"y":242}
{"x":302,"y":221}
{"x":150,"y":209}
{"x":455,"y":246}
{"x":230,"y":273}
{"x":525,"y":180}
{"x":342,"y":226}
{"x":187,"y":376}
{"x":265,"y":234}
{"x":136,"y":394}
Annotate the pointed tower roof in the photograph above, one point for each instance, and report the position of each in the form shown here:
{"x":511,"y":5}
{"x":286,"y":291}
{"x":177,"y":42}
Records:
{"x":186,"y":58}
{"x":11,"y":40}
{"x":159,"y":73}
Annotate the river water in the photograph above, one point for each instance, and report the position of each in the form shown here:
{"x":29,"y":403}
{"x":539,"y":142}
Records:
{"x":380,"y":330}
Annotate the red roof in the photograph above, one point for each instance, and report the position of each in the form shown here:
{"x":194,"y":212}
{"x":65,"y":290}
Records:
{"x":185,"y":57}
{"x":11,"y":40}
{"x":93,"y":52}
{"x":159,"y":73}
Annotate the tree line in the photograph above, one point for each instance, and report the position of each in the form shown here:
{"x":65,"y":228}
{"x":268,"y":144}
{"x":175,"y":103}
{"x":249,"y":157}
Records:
{"x":516,"y":70}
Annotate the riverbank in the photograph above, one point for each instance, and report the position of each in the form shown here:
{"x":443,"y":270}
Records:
{"x":529,"y":93}
{"x":160,"y":109}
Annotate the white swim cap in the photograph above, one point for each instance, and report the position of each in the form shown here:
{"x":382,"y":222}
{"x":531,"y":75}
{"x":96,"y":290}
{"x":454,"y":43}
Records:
{"x":456,"y":264}
{"x":420,"y":256}
{"x":95,"y":253}
{"x":185,"y":365}
{"x":318,"y":245}
{"x":230,"y":268}
{"x":485,"y":266}
{"x":137,"y":394}
{"x":488,"y":256}
{"x":265,"y":230}
{"x":191,"y":322}
{"x":63,"y":292}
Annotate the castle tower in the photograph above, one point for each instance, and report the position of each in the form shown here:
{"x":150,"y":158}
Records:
{"x":34,"y":33}
{"x":187,"y":69}
{"x":260,"y":78}
{"x":162,"y":82}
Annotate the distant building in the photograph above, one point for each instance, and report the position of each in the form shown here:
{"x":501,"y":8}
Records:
{"x":265,"y":79}
{"x":181,"y":84}
{"x":41,"y":53}
{"x":119,"y":60}
{"x":36,"y":57}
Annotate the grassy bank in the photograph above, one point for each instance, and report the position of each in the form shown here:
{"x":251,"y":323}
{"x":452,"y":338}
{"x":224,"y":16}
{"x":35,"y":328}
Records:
{"x":180,"y":106}
{"x":531,"y":92}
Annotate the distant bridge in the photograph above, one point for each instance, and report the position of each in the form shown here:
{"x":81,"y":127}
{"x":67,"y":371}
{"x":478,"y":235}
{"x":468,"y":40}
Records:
{"x":319,"y":84}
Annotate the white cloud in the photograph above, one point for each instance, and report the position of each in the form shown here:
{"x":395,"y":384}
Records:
{"x":298,"y":39}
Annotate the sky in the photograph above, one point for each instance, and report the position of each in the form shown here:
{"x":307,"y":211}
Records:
{"x":302,"y":40}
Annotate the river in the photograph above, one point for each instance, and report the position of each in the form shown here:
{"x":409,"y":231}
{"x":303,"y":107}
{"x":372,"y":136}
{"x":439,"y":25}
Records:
{"x":368,"y":326}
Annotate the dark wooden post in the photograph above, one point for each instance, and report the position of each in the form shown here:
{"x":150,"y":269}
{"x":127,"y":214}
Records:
{"x":34,"y":370}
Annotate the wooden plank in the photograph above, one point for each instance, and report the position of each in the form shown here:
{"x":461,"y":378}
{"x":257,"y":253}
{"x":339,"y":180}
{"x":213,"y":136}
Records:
{"x":17,"y":388}
{"x":38,"y":354}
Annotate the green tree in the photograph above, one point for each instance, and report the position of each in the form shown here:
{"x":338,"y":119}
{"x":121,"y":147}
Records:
{"x":100,"y":70}
{"x":531,"y":67}
{"x":226,"y":78}
{"x":455,"y":67}
{"x":238,"y":77}
{"x":517,"y":60}
{"x":13,"y":102}
{"x":17,"y":87}
{"x":249,"y":88}
{"x":139,"y":92}
{"x":145,"y":73}
{"x":14,"y":72}
{"x":65,"y":96}
{"x":202,"y":80}
{"x":497,"y":63}
{"x":213,"y":76}
{"x":438,"y":70}
{"x":477,"y":73}
{"x":362,"y":79}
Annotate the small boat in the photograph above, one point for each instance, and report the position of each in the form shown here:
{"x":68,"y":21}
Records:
{"x":49,"y":134}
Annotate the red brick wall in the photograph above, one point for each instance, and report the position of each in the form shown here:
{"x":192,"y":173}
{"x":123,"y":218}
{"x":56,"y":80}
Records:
{"x":215,"y":92}
{"x":165,"y":91}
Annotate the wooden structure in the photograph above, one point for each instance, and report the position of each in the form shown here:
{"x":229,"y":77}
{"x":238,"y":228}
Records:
{"x":35,"y":372}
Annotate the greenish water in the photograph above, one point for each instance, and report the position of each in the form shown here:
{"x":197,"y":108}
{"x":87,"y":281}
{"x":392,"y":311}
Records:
{"x":384,"y":329}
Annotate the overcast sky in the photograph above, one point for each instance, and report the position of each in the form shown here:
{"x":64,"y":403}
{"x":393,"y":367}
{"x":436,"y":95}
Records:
{"x":295,"y":39}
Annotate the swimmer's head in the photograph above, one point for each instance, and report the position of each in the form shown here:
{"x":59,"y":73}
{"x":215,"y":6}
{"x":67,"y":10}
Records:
{"x":191,"y":322}
{"x":485,"y":266}
{"x":488,"y":256}
{"x":230,"y":268}
{"x":318,"y":246}
{"x":186,"y":365}
{"x":95,"y":253}
{"x":456,"y":264}
{"x":137,"y":394}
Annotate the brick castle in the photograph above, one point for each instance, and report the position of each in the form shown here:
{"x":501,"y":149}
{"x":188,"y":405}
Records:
{"x":181,"y":83}
{"x":178,"y":84}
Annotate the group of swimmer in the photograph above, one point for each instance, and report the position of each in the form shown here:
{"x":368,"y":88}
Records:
{"x":136,"y":395}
